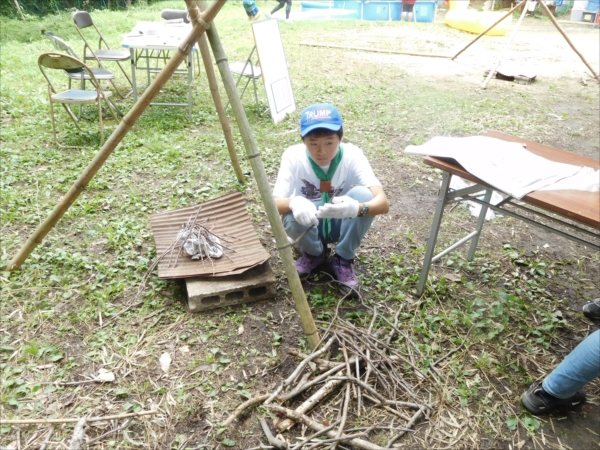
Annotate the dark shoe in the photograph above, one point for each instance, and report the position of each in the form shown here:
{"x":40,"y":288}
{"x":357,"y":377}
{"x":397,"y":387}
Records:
{"x":344,"y":274}
{"x":591,"y":310}
{"x":307,"y":263}
{"x":538,"y":401}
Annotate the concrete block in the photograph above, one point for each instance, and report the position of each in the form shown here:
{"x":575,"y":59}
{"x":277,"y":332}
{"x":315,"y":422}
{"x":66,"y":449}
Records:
{"x":207,"y":293}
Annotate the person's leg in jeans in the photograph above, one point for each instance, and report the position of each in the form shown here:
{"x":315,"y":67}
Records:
{"x":311,"y":245}
{"x":352,"y":231}
{"x":562,"y":386}
{"x":311,"y":242}
{"x":580,"y":367}
{"x":349,"y":233}
{"x":280,"y":5}
{"x":288,"y":9}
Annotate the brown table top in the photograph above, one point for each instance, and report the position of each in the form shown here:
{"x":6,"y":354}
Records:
{"x":581,"y":206}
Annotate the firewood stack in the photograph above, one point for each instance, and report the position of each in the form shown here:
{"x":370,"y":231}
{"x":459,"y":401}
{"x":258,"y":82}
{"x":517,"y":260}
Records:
{"x":371,"y":394}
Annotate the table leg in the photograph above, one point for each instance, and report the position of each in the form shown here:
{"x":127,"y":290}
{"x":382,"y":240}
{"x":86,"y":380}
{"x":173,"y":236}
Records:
{"x":480,"y":222}
{"x":433,"y":234}
{"x":190,"y":64}
{"x":255,"y":93}
{"x":148,"y":65}
{"x":133,"y":81}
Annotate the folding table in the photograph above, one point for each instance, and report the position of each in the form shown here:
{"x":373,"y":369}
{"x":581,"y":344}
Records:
{"x":161,"y":36}
{"x":581,"y":208}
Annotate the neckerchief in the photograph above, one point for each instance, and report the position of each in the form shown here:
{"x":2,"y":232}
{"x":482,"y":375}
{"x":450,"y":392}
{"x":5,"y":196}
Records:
{"x":325,"y":179}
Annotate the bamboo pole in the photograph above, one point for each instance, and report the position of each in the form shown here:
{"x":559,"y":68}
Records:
{"x":518,"y":5}
{"x":214,"y":90}
{"x":561,"y":31}
{"x":285,"y":251}
{"x":365,"y":49}
{"x":510,"y":40}
{"x":115,"y":138}
{"x":19,"y":10}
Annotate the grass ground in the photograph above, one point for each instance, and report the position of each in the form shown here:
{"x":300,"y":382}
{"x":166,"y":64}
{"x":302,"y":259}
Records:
{"x":513,"y":312}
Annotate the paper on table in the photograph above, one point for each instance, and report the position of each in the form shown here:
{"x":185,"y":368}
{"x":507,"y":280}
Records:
{"x":587,"y":179}
{"x":507,"y":166}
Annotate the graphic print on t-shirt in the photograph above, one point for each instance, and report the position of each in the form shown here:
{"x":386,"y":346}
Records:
{"x":311,"y":192}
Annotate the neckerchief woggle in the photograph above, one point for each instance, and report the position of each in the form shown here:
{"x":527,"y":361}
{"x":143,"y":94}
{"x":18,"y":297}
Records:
{"x":325,"y":186}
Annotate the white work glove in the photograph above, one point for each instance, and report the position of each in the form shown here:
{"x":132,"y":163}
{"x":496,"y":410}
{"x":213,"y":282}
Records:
{"x":343,"y":207}
{"x":304,"y":211}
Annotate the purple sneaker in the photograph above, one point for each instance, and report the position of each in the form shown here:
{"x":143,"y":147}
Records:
{"x":307,"y":263}
{"x":344,"y":273}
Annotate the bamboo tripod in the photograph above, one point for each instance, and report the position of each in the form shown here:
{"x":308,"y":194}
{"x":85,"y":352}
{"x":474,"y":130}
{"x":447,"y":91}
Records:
{"x":523,"y":4}
{"x":202,"y":22}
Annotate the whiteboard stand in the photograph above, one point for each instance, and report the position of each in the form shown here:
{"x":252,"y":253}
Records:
{"x":247,"y":70}
{"x":273,"y":65}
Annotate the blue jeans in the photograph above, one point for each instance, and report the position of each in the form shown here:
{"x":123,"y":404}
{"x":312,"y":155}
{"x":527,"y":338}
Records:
{"x":348,"y":233}
{"x":580,"y":367}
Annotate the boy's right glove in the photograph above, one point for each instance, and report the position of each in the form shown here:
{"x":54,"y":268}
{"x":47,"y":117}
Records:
{"x":304,"y":211}
{"x":343,"y":207}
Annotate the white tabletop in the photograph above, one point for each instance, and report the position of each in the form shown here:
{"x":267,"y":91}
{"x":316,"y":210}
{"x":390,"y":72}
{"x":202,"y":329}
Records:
{"x":157,"y":35}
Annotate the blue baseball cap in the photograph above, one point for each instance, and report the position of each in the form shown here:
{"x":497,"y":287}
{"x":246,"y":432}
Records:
{"x":320,"y":115}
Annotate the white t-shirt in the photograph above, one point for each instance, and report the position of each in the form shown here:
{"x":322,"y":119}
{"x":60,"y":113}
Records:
{"x":296,"y":173}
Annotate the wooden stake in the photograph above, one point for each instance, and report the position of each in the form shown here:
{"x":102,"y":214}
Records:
{"x":365,"y":49}
{"x":510,"y":39}
{"x":561,"y":31}
{"x":214,"y":90}
{"x":518,"y":5}
{"x":115,"y":138}
{"x":262,"y":181}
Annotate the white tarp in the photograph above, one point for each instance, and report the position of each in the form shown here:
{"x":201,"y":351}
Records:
{"x":508,"y":166}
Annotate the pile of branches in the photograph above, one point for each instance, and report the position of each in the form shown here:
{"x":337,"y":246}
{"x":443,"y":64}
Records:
{"x":198,"y":241}
{"x":371,"y":383}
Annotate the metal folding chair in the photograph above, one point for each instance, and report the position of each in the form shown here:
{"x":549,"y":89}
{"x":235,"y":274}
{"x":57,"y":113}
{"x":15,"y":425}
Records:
{"x":60,"y":61}
{"x":177,"y":15}
{"x":247,"y":70}
{"x":82,"y":20}
{"x":99,"y":73}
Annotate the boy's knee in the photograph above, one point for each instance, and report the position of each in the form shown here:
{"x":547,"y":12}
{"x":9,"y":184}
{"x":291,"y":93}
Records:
{"x":291,"y":226}
{"x":360,"y":194}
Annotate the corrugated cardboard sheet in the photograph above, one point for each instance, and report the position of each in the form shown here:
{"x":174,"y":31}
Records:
{"x":225,"y":217}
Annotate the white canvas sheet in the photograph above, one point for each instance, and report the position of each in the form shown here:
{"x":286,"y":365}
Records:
{"x":508,"y":166}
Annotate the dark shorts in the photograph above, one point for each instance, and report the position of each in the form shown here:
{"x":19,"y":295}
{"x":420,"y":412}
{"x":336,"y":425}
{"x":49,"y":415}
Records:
{"x":407,"y":8}
{"x":251,"y":11}
{"x":283,"y":2}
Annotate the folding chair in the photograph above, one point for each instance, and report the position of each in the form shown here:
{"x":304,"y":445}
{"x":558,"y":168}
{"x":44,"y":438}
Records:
{"x":82,"y":19}
{"x":99,"y":73}
{"x":175,"y":15}
{"x":60,"y":61}
{"x":248,"y":70}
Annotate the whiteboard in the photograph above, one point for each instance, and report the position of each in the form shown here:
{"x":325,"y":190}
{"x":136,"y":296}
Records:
{"x":274,"y":68}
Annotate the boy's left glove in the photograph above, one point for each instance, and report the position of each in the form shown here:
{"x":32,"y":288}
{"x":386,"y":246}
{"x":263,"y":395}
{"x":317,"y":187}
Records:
{"x":343,"y":207}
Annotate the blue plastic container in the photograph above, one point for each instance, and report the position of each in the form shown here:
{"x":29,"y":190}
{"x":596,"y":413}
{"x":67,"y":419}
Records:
{"x":425,"y":11}
{"x":376,"y":11}
{"x":354,"y":5}
{"x":593,"y":5}
{"x":395,"y":10}
{"x":316,"y":5}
